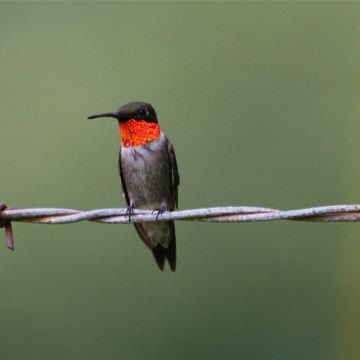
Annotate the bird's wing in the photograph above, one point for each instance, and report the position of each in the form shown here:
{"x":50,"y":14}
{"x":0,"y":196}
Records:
{"x":175,"y":179}
{"x":123,"y":185}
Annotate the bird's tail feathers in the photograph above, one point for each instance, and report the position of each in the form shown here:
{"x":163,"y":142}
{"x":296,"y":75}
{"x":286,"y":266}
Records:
{"x":161,"y":254}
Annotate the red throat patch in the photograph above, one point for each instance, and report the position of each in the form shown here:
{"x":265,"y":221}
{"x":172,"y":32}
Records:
{"x":137,"y":133}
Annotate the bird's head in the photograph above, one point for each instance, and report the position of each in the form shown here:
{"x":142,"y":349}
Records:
{"x":136,"y":110}
{"x":137,"y":121}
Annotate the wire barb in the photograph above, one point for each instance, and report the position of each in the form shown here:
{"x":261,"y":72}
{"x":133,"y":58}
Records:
{"x":9,"y":236}
{"x":333,"y":213}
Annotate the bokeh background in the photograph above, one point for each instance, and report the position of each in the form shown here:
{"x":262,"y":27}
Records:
{"x":261,"y":101}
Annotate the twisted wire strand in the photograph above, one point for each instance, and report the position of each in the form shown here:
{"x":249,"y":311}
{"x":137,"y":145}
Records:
{"x":333,"y":213}
{"x":214,"y":214}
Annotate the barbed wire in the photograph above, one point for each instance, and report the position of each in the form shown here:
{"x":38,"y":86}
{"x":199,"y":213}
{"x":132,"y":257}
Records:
{"x":333,"y":213}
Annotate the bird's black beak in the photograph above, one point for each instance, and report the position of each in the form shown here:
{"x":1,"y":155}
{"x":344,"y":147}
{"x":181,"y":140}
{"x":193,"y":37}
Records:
{"x":110,"y":114}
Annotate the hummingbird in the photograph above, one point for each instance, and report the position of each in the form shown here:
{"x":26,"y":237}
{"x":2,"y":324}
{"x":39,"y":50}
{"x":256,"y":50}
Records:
{"x":149,"y":175}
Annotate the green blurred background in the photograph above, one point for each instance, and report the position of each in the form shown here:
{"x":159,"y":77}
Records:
{"x":261,"y":101}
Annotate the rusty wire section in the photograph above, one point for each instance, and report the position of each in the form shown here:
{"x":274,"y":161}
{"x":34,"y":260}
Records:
{"x":334,"y":213}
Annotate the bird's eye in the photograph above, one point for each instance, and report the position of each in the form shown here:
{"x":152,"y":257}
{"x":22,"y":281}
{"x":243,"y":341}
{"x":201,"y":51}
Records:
{"x":142,"y":112}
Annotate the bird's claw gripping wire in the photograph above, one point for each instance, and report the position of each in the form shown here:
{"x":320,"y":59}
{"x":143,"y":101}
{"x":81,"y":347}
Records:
{"x":9,"y":236}
{"x":159,"y":212}
{"x":130,"y":211}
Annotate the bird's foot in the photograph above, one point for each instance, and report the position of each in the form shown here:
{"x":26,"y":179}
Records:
{"x":159,"y":212}
{"x":130,"y":211}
